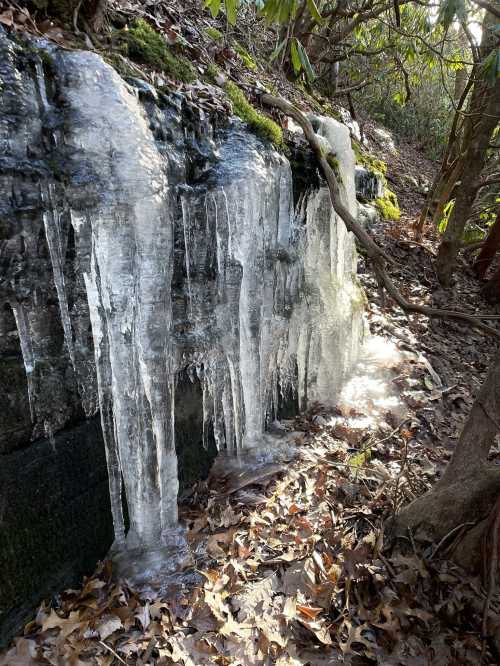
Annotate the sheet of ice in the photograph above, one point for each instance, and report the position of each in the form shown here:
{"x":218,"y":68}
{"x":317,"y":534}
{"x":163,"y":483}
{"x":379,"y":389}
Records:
{"x":194,"y":267}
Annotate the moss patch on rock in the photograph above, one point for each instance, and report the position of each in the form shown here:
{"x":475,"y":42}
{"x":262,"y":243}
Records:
{"x":143,"y":44}
{"x":263,"y":126}
{"x":388,"y":205}
{"x":334,"y":164}
{"x":371,"y":163}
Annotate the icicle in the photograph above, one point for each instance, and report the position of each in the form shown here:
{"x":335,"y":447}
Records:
{"x":186,"y":227}
{"x":23,"y":331}
{"x":54,"y":235}
{"x":42,"y":90}
{"x":128,"y":236}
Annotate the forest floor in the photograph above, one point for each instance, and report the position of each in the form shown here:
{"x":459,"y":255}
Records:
{"x":293,"y":563}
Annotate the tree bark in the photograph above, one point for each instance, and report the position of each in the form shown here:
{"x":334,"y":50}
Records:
{"x":467,"y":493}
{"x":475,"y":159}
{"x":97,"y":15}
{"x":491,"y":290}
{"x":462,"y":130}
{"x":489,"y":249}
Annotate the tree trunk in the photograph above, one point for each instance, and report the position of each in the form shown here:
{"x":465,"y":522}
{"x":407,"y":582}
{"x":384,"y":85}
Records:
{"x":489,"y":249}
{"x":450,"y":155}
{"x":475,"y":159}
{"x":491,"y":290}
{"x":446,"y":187}
{"x":97,"y":15}
{"x":461,"y":132}
{"x":467,"y":493}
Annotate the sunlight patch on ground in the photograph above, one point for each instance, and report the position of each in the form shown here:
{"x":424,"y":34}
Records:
{"x":370,"y":390}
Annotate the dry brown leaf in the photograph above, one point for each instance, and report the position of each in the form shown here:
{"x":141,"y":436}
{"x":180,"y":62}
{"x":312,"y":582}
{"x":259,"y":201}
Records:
{"x":309,"y":611}
{"x":107,"y":625}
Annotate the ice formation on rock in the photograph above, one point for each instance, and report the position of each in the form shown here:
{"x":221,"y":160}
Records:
{"x":193,"y":259}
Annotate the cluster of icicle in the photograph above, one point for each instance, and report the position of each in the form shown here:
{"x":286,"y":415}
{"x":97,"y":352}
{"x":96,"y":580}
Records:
{"x":268,"y":303}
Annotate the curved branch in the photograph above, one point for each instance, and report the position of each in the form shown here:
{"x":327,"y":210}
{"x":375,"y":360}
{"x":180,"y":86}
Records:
{"x":488,"y":6}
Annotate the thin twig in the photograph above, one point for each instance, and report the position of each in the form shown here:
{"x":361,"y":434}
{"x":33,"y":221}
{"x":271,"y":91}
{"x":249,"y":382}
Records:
{"x":75,"y":17}
{"x":113,"y":652}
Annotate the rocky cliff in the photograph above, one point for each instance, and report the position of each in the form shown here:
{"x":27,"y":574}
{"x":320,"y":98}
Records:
{"x":163,"y":270}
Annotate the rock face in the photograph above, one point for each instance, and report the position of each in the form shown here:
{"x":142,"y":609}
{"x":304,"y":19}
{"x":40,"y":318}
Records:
{"x":369,"y":185}
{"x":153,"y":270}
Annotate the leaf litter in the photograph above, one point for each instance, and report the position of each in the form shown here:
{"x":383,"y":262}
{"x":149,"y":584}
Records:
{"x":291,"y":566}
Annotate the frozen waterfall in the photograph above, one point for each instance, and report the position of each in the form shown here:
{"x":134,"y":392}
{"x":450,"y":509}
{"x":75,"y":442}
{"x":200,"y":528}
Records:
{"x":193,"y":259}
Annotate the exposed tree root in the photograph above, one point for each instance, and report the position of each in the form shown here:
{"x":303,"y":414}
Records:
{"x":490,"y":549}
{"x":374,"y":252}
{"x":469,"y":492}
{"x":468,"y":501}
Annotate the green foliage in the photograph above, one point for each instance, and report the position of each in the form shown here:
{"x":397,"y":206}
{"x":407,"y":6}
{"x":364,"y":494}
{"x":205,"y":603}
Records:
{"x":144,"y":45}
{"x":247,"y":59}
{"x":443,"y":223}
{"x":313,"y":9}
{"x":214,"y":34}
{"x":424,"y":117}
{"x":300,"y":60}
{"x":388,"y":205}
{"x":472,"y":231}
{"x":230,"y":7}
{"x":449,"y":10}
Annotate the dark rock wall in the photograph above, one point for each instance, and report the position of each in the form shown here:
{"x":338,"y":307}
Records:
{"x":55,"y":520}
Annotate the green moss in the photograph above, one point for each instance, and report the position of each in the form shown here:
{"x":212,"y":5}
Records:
{"x":120,"y":64}
{"x":262,"y":125}
{"x":360,"y":459}
{"x":388,"y":205}
{"x":247,"y":59}
{"x":329,"y":110}
{"x":334,"y":163}
{"x":214,"y":34}
{"x":376,"y":166}
{"x":144,"y":45}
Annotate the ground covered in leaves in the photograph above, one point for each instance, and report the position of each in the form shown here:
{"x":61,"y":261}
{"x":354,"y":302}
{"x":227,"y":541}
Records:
{"x":291,"y":560}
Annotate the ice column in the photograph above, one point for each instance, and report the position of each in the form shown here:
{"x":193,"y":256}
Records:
{"x":121,"y":211}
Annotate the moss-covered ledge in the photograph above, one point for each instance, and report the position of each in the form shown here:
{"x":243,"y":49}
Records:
{"x":142,"y":44}
{"x":261,"y":124}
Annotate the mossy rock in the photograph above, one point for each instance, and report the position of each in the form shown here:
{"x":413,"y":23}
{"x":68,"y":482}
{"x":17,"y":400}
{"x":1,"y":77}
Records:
{"x":370,"y":162}
{"x":144,"y":45}
{"x":263,"y":126}
{"x":388,"y":205}
{"x":334,"y":164}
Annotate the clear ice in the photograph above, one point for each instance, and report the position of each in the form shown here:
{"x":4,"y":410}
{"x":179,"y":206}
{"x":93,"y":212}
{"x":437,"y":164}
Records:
{"x":212,"y":273}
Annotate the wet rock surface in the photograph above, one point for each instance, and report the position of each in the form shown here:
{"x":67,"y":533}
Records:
{"x":55,"y":519}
